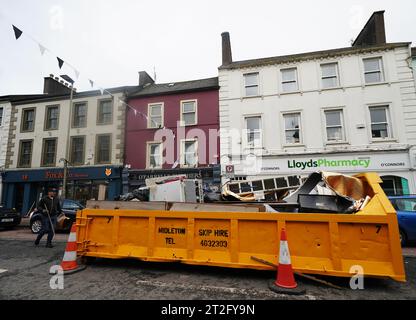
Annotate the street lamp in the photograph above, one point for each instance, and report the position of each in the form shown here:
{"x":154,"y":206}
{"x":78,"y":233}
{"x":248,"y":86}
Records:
{"x":66,"y":163}
{"x":71,"y":81}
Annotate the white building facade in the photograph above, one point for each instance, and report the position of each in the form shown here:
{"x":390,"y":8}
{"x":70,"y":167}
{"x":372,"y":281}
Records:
{"x":347,"y":110}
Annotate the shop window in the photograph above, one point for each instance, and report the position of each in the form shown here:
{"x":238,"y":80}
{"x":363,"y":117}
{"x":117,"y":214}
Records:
{"x":49,"y":152}
{"x":28,"y":120}
{"x":52,"y":118}
{"x":79,"y":119}
{"x":105,"y":112}
{"x":25,"y":153}
{"x":395,"y":185}
{"x":77,"y":150}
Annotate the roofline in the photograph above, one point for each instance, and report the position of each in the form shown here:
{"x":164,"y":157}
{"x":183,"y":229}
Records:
{"x":77,"y":95}
{"x":208,"y":88}
{"x":170,"y":92}
{"x":18,"y":97}
{"x":310,"y":55}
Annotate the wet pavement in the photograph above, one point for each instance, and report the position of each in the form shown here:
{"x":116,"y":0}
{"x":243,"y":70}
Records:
{"x":24,"y":274}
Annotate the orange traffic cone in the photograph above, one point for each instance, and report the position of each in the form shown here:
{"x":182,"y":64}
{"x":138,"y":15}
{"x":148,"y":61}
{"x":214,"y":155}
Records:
{"x":285,"y":276}
{"x":285,"y":279}
{"x":69,"y":262}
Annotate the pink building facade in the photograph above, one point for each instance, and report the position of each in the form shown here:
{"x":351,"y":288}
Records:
{"x":173,"y":128}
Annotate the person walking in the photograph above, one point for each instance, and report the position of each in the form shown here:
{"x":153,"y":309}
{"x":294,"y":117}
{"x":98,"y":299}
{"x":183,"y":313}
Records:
{"x":50,"y":208}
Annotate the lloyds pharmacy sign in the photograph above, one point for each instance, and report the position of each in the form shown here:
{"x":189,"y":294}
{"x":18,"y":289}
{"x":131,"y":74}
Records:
{"x":363,"y":163}
{"x":376,"y":162}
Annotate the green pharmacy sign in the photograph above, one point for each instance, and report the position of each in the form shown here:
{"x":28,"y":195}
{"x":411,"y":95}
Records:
{"x":364,"y":163}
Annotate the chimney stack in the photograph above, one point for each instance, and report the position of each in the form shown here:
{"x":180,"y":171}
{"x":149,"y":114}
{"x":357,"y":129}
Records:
{"x":144,"y":78}
{"x":227,"y":57}
{"x":54,"y":86}
{"x":373,"y":32}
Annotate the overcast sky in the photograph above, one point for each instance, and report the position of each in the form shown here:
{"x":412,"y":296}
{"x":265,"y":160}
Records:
{"x":109,"y":41}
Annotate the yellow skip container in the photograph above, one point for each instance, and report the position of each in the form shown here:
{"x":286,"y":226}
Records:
{"x":326,"y":244}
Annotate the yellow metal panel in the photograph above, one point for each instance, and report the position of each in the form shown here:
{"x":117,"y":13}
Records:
{"x":328,"y":244}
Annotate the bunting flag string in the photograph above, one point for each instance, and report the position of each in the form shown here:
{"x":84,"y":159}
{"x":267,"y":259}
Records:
{"x":17,"y":32}
{"x":76,"y":73}
{"x":42,"y":49}
{"x":60,"y":62}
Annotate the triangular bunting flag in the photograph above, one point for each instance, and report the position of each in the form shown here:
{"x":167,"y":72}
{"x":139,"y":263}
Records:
{"x":91,"y":83}
{"x":60,"y":62}
{"x":76,"y":73}
{"x":42,"y":49}
{"x":135,"y":112}
{"x":17,"y":32}
{"x":175,"y":164}
{"x":102,"y":91}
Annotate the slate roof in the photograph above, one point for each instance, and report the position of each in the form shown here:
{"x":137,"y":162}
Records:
{"x":310,"y":55}
{"x":176,"y":87}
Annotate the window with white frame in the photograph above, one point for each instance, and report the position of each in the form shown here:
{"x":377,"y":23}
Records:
{"x":189,"y":112}
{"x":334,"y":122}
{"x":154,"y":155}
{"x":155,"y":115}
{"x":330,"y":77}
{"x":251,"y":84}
{"x":253,"y":132}
{"x":380,"y":127}
{"x":292,"y":128}
{"x":189,"y":153}
{"x":289,"y":79}
{"x":373,"y":70}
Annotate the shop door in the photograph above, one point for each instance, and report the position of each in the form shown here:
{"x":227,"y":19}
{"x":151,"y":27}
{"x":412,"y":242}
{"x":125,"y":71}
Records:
{"x":20,"y":192}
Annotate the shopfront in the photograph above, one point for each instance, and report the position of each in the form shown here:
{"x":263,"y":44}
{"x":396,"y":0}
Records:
{"x":394,"y":168}
{"x":23,"y":188}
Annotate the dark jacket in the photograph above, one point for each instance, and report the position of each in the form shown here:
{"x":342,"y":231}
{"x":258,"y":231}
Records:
{"x":53,"y":206}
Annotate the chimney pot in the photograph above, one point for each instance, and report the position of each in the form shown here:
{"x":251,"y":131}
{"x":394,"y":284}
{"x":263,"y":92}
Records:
{"x":227,"y":57}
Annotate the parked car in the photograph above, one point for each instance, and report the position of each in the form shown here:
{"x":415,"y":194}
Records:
{"x":9,"y":218}
{"x":406,"y":215}
{"x":64,"y":221}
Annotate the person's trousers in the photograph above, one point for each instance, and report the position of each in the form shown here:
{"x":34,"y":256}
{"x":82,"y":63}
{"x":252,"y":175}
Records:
{"x":47,"y":228}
